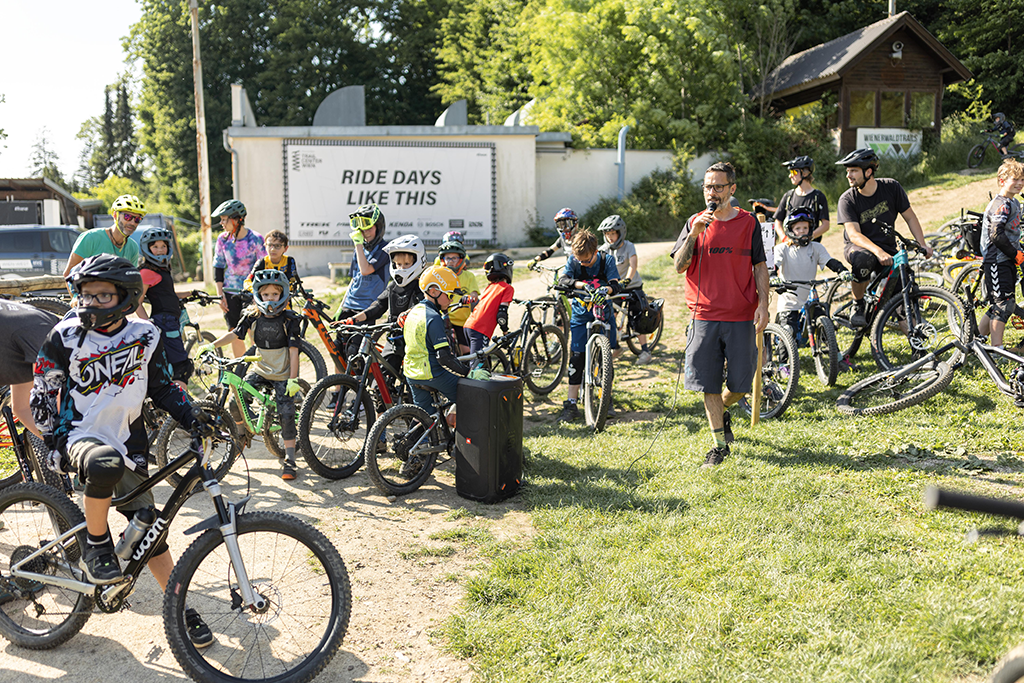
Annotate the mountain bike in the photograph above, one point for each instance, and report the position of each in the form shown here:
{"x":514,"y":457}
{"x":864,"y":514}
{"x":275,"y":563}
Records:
{"x":971,"y":278}
{"x":977,"y":153}
{"x":559,"y":315}
{"x":340,"y":409}
{"x":536,"y":352}
{"x":318,"y":314}
{"x":273,"y":590}
{"x":780,"y":372}
{"x":22,"y":454}
{"x":624,"y":322}
{"x":257,"y":413}
{"x":904,"y":319}
{"x":816,"y":330}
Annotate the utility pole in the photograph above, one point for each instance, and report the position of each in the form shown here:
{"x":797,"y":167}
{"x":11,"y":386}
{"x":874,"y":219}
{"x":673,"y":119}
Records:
{"x":204,"y":162}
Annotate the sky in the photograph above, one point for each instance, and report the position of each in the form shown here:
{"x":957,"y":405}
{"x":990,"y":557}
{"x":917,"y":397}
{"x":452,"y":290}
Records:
{"x":56,"y":57}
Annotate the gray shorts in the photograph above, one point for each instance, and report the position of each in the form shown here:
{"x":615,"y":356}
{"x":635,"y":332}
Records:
{"x":130,"y":480}
{"x":709,"y":344}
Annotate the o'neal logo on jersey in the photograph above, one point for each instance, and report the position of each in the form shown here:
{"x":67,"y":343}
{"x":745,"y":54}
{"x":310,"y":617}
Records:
{"x":116,"y":366}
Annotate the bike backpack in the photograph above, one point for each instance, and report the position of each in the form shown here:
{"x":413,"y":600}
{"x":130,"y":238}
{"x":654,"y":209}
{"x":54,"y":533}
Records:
{"x":971,"y":236}
{"x":646,"y":315}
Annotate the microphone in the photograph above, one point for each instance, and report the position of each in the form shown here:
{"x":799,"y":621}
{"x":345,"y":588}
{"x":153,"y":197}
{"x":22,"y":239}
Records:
{"x":712,"y":205}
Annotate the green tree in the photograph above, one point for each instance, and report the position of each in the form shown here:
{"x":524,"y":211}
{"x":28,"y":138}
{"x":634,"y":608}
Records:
{"x":43,"y":159}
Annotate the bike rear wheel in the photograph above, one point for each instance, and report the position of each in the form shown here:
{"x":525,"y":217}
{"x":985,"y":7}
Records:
{"x":652,"y":339}
{"x":839,"y":304}
{"x":40,"y":616}
{"x":203,"y":376}
{"x":173,"y":440}
{"x":291,"y":565}
{"x":545,"y":360}
{"x":312,"y":367}
{"x":976,"y":156}
{"x":882,"y":394}
{"x":826,"y":351}
{"x":333,"y":429}
{"x":899,"y":337}
{"x":58,"y":307}
{"x":403,"y":457}
{"x":272,"y":438}
{"x":780,"y":372}
{"x":10,"y":470}
{"x":597,"y":383}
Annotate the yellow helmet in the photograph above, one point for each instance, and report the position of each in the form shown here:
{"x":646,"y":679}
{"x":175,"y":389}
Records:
{"x":440,"y":277}
{"x":130,"y":203}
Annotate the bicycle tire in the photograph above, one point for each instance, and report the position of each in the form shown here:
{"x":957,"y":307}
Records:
{"x":554,"y":315}
{"x":908,"y":391}
{"x":825,"y":350}
{"x":545,"y":360}
{"x":1011,"y":671}
{"x":497,"y":362}
{"x":976,"y":156}
{"x":839,"y":304}
{"x":597,"y":387}
{"x":288,"y":562}
{"x":10,"y":470}
{"x":394,"y":470}
{"x":30,"y":512}
{"x":173,"y":439}
{"x":272,"y":424}
{"x":951,"y":271}
{"x":36,"y":454}
{"x":312,"y":367}
{"x":332,"y":441}
{"x":966,"y":278}
{"x":58,"y":307}
{"x":203,"y":376}
{"x":780,"y":373}
{"x":941,"y":319}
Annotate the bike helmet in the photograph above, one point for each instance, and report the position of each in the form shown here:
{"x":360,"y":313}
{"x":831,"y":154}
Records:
{"x":799,"y":215}
{"x":407,"y":244}
{"x":614,"y":222}
{"x":156,"y":234}
{"x":454,"y":236}
{"x":441,"y":277}
{"x":498,"y":267}
{"x":365,"y":217}
{"x":864,"y":157}
{"x":107,"y":268}
{"x":800,"y":163}
{"x":999,"y":117}
{"x":232,"y":208}
{"x":566,"y":222}
{"x":270,"y":276}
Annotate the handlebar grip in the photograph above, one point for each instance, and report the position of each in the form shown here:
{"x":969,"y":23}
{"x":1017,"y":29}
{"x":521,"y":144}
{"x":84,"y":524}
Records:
{"x":935,"y":497}
{"x":201,"y":415}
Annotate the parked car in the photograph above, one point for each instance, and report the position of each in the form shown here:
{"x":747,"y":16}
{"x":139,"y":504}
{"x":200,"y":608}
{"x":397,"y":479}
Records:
{"x":27,"y":250}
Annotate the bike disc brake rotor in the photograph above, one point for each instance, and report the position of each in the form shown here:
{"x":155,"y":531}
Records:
{"x":921,"y":335}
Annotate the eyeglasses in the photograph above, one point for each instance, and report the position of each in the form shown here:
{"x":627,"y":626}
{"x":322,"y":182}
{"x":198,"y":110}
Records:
{"x":101,"y":298}
{"x":131,"y":217}
{"x":451,"y":257}
{"x":274,"y":245}
{"x":716,"y":188}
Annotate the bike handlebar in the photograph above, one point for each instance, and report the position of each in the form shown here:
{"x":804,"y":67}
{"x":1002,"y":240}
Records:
{"x":200,"y":297}
{"x":934,"y":497}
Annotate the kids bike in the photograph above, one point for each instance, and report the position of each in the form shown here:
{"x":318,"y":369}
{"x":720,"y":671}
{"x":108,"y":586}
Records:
{"x":815,"y":329}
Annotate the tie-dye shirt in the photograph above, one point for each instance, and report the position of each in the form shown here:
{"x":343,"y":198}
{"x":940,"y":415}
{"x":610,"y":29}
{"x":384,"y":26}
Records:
{"x":237,"y":257}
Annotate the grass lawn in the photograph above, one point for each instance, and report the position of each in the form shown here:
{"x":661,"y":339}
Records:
{"x":806,"y":556}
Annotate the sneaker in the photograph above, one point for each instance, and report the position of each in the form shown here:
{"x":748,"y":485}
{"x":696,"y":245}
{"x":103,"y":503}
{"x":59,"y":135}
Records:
{"x":715,"y":457}
{"x":333,"y":401}
{"x":198,"y":632}
{"x":727,"y":427}
{"x":644,"y":358}
{"x":858,"y":319}
{"x":100,"y":564}
{"x":773,"y":392}
{"x":611,"y":412}
{"x":617,"y":353}
{"x":289,"y":472}
{"x":570,"y":412}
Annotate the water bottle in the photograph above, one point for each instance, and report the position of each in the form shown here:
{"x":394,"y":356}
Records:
{"x":134,"y":532}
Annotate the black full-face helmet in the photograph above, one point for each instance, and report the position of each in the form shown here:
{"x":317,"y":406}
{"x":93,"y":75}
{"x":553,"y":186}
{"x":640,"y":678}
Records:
{"x":498,"y":267}
{"x":106,"y":268}
{"x":799,"y":215}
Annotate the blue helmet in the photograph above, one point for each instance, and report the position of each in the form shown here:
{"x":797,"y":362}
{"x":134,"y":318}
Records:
{"x":156,"y":234}
{"x":566,"y":222}
{"x":270,"y":276}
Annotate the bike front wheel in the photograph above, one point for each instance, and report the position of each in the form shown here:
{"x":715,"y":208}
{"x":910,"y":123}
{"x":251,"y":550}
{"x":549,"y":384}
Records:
{"x":173,"y":440}
{"x":840,"y":306}
{"x":545,"y":360}
{"x":40,"y":616}
{"x":597,"y":382}
{"x":976,"y":156}
{"x":333,"y":428}
{"x":203,"y":376}
{"x":899,"y":337}
{"x":404,"y":449}
{"x":290,"y":565}
{"x":826,"y":351}
{"x":780,"y":372}
{"x":884,"y":393}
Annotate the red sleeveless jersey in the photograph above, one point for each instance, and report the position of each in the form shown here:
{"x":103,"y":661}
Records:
{"x":720,"y":280}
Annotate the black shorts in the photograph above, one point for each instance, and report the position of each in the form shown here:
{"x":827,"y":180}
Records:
{"x":236,"y":302}
{"x":709,"y":344}
{"x":863,"y":263}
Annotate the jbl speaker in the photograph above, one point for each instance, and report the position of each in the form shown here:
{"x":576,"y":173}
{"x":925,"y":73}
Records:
{"x":489,"y":438}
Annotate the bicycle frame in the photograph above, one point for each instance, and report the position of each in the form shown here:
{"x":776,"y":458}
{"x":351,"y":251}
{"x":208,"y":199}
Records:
{"x":110,"y":597}
{"x":314,"y":311}
{"x":230,"y":384}
{"x":376,"y":367}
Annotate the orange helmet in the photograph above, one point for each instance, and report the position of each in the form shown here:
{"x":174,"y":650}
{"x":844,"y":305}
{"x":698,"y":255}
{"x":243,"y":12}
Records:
{"x":441,"y":277}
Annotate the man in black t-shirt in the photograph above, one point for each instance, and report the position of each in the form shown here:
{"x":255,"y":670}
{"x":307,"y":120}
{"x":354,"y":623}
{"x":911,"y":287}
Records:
{"x":803,"y":195}
{"x":23,"y":330}
{"x":868,"y":213}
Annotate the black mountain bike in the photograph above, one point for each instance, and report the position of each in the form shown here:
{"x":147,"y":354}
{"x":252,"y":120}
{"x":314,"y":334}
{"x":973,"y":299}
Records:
{"x":816,"y":330}
{"x":536,"y":352}
{"x":273,"y":590}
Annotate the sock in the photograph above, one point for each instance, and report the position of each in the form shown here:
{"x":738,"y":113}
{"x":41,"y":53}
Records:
{"x":719,"y":435}
{"x":289,"y":455}
{"x":573,"y":401}
{"x":644,"y":349}
{"x":98,"y":540}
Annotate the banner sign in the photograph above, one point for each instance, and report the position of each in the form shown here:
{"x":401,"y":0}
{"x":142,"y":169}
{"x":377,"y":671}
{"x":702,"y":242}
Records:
{"x":425,"y":189}
{"x":893,"y":142}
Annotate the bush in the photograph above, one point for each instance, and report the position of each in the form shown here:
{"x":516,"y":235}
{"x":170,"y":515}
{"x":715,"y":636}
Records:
{"x":191,"y":244}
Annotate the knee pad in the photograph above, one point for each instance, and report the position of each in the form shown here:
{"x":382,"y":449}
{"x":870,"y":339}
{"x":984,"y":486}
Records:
{"x":286,"y":418}
{"x":1002,"y":310}
{"x":182,"y":370}
{"x":576,"y":368}
{"x":101,"y":469}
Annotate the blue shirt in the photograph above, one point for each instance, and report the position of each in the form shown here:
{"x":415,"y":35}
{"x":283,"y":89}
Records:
{"x":604,"y":269}
{"x":365,"y":289}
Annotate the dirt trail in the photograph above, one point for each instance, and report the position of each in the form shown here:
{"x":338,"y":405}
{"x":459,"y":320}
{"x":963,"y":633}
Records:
{"x":407,"y":559}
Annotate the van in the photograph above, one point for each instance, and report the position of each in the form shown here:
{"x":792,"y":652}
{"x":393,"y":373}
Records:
{"x":29,"y":250}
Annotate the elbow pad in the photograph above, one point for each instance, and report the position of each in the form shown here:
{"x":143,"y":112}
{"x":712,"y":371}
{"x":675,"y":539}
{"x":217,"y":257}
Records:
{"x":503,"y":316}
{"x":218,"y":274}
{"x":446,"y":357}
{"x":615,"y":286}
{"x":835,"y":265}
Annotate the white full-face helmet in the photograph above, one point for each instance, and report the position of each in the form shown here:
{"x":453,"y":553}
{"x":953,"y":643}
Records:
{"x":407,"y":244}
